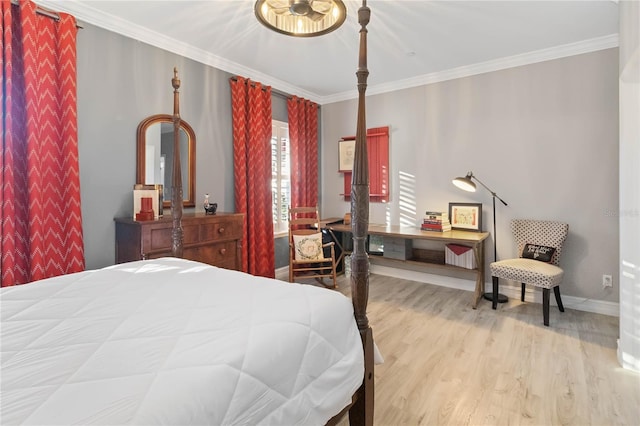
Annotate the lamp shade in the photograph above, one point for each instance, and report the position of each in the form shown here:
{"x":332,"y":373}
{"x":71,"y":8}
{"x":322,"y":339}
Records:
{"x":301,"y":18}
{"x":465,"y":183}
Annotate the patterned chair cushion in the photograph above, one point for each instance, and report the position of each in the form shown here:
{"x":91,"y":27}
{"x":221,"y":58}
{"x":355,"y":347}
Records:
{"x":528,"y":271}
{"x":308,"y":247}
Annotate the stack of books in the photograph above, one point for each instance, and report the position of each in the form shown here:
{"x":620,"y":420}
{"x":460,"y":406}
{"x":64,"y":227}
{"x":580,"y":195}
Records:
{"x":436,"y":221}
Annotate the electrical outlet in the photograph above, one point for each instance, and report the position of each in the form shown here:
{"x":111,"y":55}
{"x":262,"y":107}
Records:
{"x":607,"y":281}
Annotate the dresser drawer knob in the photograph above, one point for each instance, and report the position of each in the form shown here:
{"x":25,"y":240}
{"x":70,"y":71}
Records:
{"x":220,"y":230}
{"x":223,"y":251}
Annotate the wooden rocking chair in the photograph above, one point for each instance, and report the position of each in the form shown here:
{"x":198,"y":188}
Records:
{"x":306,"y":251}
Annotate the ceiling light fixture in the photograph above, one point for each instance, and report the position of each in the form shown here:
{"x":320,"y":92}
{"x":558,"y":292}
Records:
{"x":301,"y":18}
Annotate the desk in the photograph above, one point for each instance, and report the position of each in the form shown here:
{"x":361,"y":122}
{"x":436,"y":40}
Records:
{"x":475,"y":240}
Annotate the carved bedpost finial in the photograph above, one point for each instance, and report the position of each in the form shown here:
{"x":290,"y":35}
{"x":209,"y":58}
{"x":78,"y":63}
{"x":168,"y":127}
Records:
{"x":175,"y":82}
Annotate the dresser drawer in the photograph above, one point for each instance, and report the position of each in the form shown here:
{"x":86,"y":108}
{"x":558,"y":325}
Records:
{"x":222,"y":254}
{"x":222,"y":230}
{"x":160,"y":238}
{"x":229,"y":264}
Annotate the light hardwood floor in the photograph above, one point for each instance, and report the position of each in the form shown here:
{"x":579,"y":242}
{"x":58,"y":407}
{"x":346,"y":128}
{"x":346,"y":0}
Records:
{"x":448,"y":364}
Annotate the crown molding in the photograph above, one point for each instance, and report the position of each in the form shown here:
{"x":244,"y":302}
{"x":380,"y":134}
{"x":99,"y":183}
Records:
{"x":85,"y":13}
{"x":557,"y":52}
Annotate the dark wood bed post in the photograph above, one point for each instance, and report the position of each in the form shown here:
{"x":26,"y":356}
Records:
{"x":176,"y":182}
{"x":362,"y":411}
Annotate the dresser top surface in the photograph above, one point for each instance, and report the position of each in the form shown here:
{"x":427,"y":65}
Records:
{"x":185,"y":216}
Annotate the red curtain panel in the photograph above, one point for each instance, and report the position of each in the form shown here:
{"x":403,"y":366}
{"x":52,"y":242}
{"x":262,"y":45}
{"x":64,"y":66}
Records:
{"x":251,"y":110}
{"x":303,"y":136}
{"x":41,"y":218}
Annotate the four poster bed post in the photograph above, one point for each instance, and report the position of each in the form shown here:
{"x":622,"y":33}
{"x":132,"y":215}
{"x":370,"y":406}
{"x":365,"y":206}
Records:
{"x":176,"y":181}
{"x":362,"y":411}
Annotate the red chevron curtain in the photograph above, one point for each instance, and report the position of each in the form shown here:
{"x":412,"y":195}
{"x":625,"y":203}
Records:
{"x":41,"y":220}
{"x":303,"y":137}
{"x":251,"y":106}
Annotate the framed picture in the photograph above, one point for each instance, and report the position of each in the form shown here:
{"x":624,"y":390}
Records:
{"x":466,"y":216}
{"x":346,"y":152}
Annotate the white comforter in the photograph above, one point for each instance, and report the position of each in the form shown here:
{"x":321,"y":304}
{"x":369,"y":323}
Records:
{"x":176,"y":342}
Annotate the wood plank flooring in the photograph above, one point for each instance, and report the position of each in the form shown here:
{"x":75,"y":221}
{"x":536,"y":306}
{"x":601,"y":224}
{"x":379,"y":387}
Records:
{"x":447,"y":364}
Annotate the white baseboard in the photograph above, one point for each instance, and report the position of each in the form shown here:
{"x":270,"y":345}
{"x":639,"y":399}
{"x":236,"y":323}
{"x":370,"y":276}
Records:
{"x":511,"y":291}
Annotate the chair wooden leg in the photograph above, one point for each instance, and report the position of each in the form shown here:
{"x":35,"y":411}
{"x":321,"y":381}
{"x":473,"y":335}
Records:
{"x":494,"y":302}
{"x":556,"y":291}
{"x":522,"y":292}
{"x":545,"y":305}
{"x":333,"y":275}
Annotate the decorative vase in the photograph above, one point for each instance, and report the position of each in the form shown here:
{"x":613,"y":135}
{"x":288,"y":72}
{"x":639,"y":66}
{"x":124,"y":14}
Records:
{"x":209,"y":208}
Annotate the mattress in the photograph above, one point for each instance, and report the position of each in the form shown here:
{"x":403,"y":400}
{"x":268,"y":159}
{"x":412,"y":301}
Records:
{"x":171,"y":341}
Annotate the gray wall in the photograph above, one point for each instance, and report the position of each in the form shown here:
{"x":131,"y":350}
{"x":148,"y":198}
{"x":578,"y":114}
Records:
{"x":543,"y":136}
{"x":120,"y":82}
{"x":531,"y":133}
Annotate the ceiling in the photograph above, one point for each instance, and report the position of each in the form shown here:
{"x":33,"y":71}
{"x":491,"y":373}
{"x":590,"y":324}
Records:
{"x":410,"y":43}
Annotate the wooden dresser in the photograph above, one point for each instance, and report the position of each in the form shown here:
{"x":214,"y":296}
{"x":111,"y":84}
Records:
{"x":213,"y":239}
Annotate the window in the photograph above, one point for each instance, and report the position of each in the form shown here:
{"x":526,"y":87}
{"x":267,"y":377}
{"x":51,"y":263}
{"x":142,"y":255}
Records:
{"x":280,"y":178}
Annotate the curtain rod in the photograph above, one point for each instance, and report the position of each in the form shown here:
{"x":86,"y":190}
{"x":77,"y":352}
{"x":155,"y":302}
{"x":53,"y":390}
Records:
{"x":252,"y":83}
{"x":273,"y":91}
{"x":45,"y":12}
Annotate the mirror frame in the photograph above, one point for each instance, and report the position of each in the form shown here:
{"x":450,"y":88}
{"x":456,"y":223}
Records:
{"x":189,"y":198}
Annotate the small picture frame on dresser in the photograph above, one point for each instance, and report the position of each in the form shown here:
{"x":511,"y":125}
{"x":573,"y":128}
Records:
{"x":152,"y":191}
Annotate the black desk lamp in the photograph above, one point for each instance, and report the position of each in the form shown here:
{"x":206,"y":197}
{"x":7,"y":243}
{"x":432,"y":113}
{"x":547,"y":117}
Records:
{"x":466,"y":184}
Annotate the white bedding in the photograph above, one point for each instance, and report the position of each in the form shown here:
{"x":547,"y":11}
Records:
{"x":176,"y":342}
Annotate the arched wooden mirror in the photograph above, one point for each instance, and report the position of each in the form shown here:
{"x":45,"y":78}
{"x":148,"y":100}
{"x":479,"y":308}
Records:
{"x":155,"y":156}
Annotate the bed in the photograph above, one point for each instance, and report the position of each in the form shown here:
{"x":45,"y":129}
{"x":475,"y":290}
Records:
{"x":172,"y":341}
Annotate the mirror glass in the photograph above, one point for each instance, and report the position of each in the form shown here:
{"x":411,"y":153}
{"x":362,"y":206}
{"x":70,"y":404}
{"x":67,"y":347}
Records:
{"x":155,"y":156}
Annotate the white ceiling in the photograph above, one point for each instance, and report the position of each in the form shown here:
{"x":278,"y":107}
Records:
{"x":410,"y":42}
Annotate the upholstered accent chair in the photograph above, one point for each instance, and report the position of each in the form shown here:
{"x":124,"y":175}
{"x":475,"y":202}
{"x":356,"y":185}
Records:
{"x":539,"y":245}
{"x":307,"y":258}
